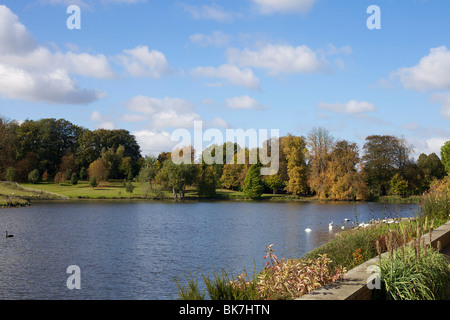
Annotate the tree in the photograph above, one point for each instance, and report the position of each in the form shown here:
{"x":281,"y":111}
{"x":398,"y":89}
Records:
{"x":129,"y":187}
{"x":148,"y":170}
{"x":11,"y":174}
{"x":294,"y":149}
{"x":253,"y":184}
{"x":60,"y":177}
{"x":231,"y":176}
{"x":342,"y":178}
{"x":25,"y":166}
{"x":429,"y":168}
{"x":74,"y":179}
{"x":384,"y":156}
{"x":98,"y":169}
{"x":273,"y":182}
{"x":320,"y":144}
{"x":445,"y":156}
{"x":83,"y":173}
{"x":8,"y":144}
{"x":177,"y":177}
{"x":206,"y":185}
{"x":93,"y":182}
{"x":399,"y":186}
{"x":34,"y":176}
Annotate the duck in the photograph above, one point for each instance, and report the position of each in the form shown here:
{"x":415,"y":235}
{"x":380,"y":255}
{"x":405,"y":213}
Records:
{"x":8,"y":235}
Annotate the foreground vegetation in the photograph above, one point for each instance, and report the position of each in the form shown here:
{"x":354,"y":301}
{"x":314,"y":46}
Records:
{"x":412,"y":271}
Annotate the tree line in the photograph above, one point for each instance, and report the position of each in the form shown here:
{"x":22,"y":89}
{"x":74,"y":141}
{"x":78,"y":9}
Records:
{"x":313,"y":165}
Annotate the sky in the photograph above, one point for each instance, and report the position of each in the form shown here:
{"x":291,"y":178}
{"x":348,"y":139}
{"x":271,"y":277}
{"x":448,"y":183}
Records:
{"x":153,"y":66}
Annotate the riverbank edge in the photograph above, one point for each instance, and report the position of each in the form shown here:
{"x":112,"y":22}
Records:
{"x":40,"y":194}
{"x":354,"y":287}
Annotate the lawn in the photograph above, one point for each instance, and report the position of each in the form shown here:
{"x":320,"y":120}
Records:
{"x":116,"y":190}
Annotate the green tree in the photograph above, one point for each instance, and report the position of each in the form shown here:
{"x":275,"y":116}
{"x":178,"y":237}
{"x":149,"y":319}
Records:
{"x":399,"y":186}
{"x":129,"y":187}
{"x":206,"y":185}
{"x":34,"y":176}
{"x":273,"y":182}
{"x":74,"y":179}
{"x":384,"y":156}
{"x":83,"y":173}
{"x":148,"y":170}
{"x":11,"y":174}
{"x":445,"y":156}
{"x":253,"y":184}
{"x":93,"y":182}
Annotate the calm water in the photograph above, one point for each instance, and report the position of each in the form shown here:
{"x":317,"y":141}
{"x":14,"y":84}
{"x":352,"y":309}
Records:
{"x":133,"y":250}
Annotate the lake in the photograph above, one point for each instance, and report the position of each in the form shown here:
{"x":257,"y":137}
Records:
{"x":133,"y":250}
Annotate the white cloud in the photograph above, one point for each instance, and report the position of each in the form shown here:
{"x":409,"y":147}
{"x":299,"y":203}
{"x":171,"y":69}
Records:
{"x":444,"y":99}
{"x":283,"y":6}
{"x":141,"y":62}
{"x":14,"y":37}
{"x":243,"y":102}
{"x":52,"y":87}
{"x":278,"y":59}
{"x":163,"y":113}
{"x":218,"y":123}
{"x":215,"y":38}
{"x":350,"y":107}
{"x":232,"y":74}
{"x":103,"y":121}
{"x":34,"y":73}
{"x":208,"y":12}
{"x":154,"y":142}
{"x":432,"y":72}
{"x":428,"y":146}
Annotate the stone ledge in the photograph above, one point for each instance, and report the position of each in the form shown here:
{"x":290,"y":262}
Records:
{"x":354,"y":287}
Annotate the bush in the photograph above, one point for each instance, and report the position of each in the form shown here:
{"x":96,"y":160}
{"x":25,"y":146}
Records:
{"x":93,"y":182}
{"x":74,"y":179}
{"x":34,"y":176}
{"x":11,"y":174}
{"x":280,"y":279}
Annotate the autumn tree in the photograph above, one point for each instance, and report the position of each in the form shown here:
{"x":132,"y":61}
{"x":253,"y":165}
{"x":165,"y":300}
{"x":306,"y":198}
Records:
{"x":343,"y":179}
{"x":232,"y":176}
{"x":320,"y":144}
{"x":99,"y":170}
{"x":294,"y":150}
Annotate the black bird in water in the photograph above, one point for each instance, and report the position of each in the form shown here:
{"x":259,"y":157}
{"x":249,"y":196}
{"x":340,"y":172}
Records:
{"x":8,"y":235}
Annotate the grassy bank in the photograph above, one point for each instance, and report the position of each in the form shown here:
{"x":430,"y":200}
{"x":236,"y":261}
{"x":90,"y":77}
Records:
{"x":117,"y":190}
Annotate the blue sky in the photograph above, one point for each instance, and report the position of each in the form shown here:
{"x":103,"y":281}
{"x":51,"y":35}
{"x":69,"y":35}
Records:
{"x":152,"y":66}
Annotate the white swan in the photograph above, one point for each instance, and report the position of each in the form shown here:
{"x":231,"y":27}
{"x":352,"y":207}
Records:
{"x":330,"y":225}
{"x":308,"y":230}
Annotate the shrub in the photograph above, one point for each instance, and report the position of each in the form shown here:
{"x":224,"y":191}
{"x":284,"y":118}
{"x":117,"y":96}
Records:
{"x":74,"y":179}
{"x":11,"y":174}
{"x":93,"y":182}
{"x":34,"y":176}
{"x":280,"y":279}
